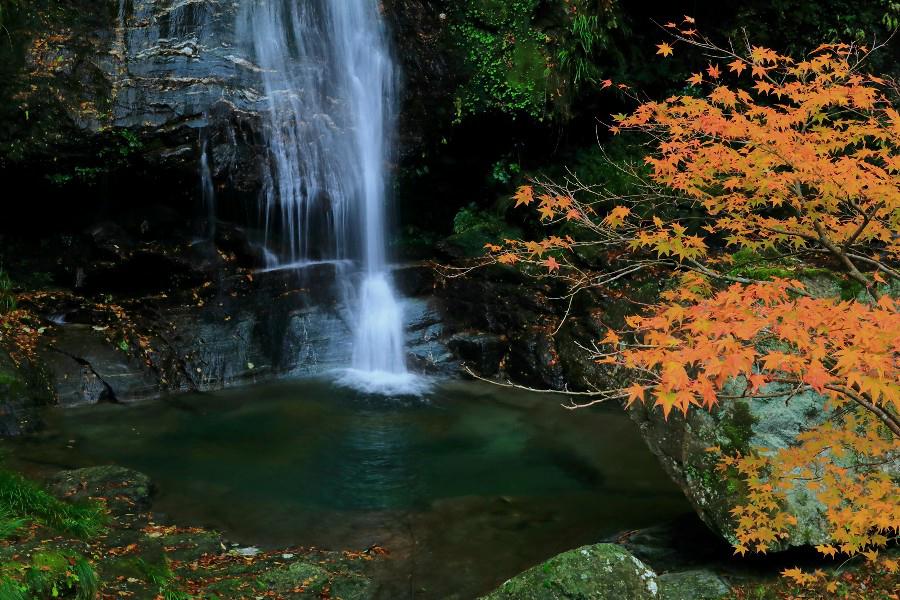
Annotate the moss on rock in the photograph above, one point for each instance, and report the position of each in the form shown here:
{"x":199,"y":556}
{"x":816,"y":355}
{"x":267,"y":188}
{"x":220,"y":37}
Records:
{"x":598,"y":572}
{"x":692,"y":585}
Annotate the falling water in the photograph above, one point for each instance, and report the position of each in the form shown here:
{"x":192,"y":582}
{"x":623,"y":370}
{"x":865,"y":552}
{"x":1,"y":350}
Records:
{"x":330,"y":85}
{"x":207,"y":189}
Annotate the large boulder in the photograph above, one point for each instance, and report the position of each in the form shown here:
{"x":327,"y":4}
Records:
{"x":598,"y":572}
{"x":682,"y":445}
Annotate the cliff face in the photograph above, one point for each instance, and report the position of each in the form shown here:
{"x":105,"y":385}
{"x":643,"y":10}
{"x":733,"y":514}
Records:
{"x":142,"y":84}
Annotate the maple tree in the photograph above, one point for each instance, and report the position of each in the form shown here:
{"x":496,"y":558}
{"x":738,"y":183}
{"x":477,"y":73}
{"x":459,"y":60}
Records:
{"x":792,"y":159}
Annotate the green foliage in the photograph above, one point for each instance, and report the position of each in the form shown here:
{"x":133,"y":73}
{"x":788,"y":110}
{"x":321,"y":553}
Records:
{"x":161,"y":577}
{"x":11,"y":589}
{"x":530,"y":56}
{"x":61,"y":574}
{"x":474,"y":227}
{"x":7,"y":297}
{"x":23,"y":500}
{"x":581,"y":49}
{"x":503,"y":56}
{"x":824,"y":20}
{"x":10,"y":524}
{"x":117,"y":146}
{"x":505,"y":170}
{"x":608,"y":165}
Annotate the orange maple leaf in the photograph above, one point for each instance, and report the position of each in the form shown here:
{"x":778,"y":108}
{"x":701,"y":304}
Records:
{"x":551,"y":264}
{"x":737,"y":66}
{"x":664,"y":49}
{"x":524,"y":195}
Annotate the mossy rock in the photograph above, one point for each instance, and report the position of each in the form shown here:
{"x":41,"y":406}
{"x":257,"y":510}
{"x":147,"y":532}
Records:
{"x":598,"y":572}
{"x":125,"y":490}
{"x":693,"y":585}
{"x":314,"y":581}
{"x":300,"y":574}
{"x":191,"y":544}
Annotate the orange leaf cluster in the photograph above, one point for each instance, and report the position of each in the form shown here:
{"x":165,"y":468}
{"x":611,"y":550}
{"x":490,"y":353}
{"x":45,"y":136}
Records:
{"x":814,"y":154}
{"x":763,"y":334}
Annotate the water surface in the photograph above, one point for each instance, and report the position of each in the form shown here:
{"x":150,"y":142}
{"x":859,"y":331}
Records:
{"x":465,"y":488}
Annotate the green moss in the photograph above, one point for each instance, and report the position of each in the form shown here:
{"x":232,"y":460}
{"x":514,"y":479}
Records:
{"x":502,"y":54}
{"x":599,"y":571}
{"x":473,"y":228}
{"x":850,"y":289}
{"x":514,"y":53}
{"x":8,"y":379}
{"x":737,"y":427}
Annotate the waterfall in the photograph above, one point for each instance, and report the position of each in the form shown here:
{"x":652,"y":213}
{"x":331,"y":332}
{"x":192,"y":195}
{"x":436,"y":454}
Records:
{"x":207,"y":188}
{"x":330,"y":84}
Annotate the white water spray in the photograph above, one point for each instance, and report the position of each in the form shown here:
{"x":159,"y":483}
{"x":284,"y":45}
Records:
{"x":330,"y":84}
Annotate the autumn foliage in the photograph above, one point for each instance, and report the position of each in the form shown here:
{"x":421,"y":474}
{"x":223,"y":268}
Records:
{"x":789,"y":159}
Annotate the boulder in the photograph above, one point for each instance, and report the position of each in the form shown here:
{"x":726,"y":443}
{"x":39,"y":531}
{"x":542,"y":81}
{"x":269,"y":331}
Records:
{"x":125,"y":490}
{"x":692,"y":585}
{"x":316,"y":581}
{"x":598,"y":572}
{"x":681,"y":445}
{"x":87,"y":366}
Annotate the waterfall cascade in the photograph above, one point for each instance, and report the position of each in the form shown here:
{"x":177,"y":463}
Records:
{"x":330,"y":84}
{"x":207,"y":189}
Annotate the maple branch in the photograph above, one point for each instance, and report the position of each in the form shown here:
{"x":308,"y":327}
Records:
{"x":737,"y":279}
{"x":888,"y":418}
{"x":601,"y":395}
{"x":842,"y":256}
{"x":869,"y":261}
{"x":867,"y":216}
{"x":798,"y":234}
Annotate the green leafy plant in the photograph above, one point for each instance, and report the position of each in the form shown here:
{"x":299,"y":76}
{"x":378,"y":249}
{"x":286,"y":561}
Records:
{"x":505,"y":170}
{"x":503,"y":53}
{"x":161,"y":576}
{"x":23,"y":501}
{"x":61,"y":574}
{"x":576,"y":57}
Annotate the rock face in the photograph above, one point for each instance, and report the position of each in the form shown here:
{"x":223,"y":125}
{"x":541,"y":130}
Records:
{"x":240,"y":331}
{"x":21,"y":389}
{"x":504,"y":324}
{"x":773,"y":423}
{"x":599,"y":572}
{"x":145,"y":318}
